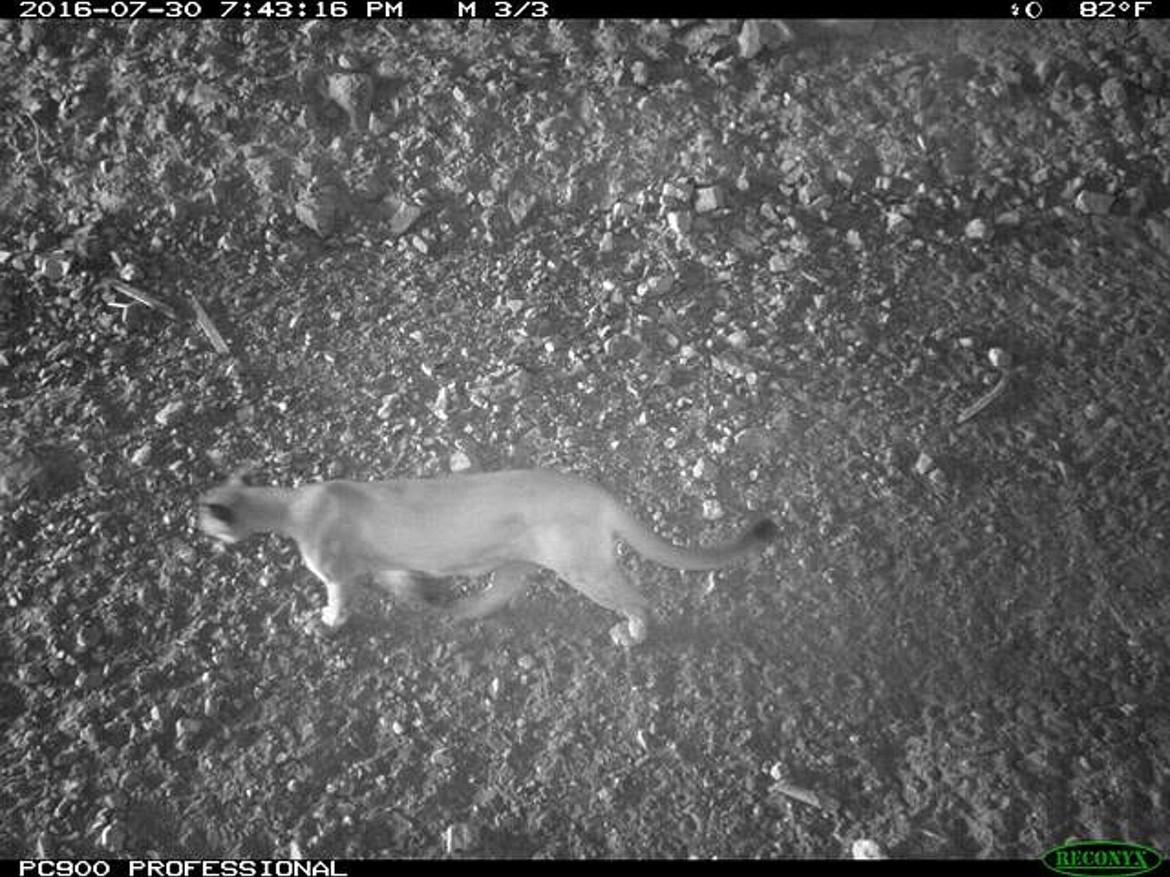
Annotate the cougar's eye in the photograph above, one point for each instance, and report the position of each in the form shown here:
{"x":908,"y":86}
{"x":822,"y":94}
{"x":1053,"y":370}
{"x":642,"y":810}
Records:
{"x":221,"y":513}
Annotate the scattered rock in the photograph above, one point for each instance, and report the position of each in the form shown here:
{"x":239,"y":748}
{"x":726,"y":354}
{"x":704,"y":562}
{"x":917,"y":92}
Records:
{"x":112,"y":838}
{"x":750,"y":41}
{"x":680,"y":193}
{"x":353,"y":92}
{"x":1096,"y":203}
{"x":1113,"y":93}
{"x":864,"y":848}
{"x":976,"y":230}
{"x":657,"y":285}
{"x":171,"y":413}
{"x":186,"y":730}
{"x":755,"y":440}
{"x":520,"y":204}
{"x":710,"y":198}
{"x":20,"y":473}
{"x":53,"y":266}
{"x":404,"y":217}
{"x":924,"y":464}
{"x":459,"y":837}
{"x":88,"y":636}
{"x":679,"y":221}
{"x":705,"y":470}
{"x":1159,"y":232}
{"x":321,"y":209}
{"x":739,"y":339}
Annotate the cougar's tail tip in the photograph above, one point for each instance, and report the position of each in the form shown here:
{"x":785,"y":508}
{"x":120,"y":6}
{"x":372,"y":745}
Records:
{"x":765,"y":531}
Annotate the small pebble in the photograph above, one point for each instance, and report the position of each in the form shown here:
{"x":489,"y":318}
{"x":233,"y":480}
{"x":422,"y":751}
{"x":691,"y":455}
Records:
{"x":142,"y":455}
{"x":458,"y":837}
{"x":679,"y":221}
{"x":1113,"y":93}
{"x":1096,"y":203}
{"x":88,"y":636}
{"x":705,"y":470}
{"x":999,"y":357}
{"x":170,"y":413}
{"x":112,"y":838}
{"x":864,"y":848}
{"x":188,"y":727}
{"x":659,"y":285}
{"x":709,"y":198}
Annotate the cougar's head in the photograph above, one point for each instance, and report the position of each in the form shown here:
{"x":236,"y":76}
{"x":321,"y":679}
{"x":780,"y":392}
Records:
{"x":220,"y":511}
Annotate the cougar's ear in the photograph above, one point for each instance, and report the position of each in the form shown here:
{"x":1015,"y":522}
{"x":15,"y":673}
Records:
{"x":242,"y":476}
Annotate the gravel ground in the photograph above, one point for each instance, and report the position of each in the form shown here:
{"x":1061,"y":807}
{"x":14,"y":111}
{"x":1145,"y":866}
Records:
{"x":901,"y":286}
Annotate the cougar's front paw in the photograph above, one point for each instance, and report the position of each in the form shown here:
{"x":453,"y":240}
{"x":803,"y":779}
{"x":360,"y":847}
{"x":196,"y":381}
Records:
{"x":629,"y":633}
{"x":332,"y":621}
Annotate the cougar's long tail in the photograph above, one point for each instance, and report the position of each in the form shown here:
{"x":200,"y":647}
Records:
{"x":653,"y":547}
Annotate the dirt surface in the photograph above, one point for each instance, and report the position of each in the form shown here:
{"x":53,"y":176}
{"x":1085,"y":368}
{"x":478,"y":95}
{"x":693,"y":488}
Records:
{"x":724,"y":268}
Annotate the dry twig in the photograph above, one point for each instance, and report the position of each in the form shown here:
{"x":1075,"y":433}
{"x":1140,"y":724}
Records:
{"x":208,"y":327}
{"x":984,"y":400}
{"x":145,"y":298}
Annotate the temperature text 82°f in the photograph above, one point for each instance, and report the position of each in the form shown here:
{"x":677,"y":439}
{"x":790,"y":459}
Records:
{"x":1118,"y":9}
{"x":504,"y":9}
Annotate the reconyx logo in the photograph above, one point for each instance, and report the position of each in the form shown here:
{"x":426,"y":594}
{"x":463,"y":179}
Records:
{"x":1098,"y":858}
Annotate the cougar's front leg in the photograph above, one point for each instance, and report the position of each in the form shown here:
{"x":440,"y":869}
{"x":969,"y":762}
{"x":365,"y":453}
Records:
{"x":340,"y":582}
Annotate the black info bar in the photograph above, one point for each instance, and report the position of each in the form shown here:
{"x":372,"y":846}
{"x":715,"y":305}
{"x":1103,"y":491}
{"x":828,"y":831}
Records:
{"x":187,"y":868}
{"x":1026,"y":12}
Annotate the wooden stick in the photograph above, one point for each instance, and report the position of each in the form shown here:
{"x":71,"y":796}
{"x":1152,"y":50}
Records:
{"x":208,"y":327}
{"x":804,"y":796}
{"x":984,"y":400}
{"x":149,"y":300}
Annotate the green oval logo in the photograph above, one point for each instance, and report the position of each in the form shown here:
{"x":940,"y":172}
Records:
{"x":1101,"y":858}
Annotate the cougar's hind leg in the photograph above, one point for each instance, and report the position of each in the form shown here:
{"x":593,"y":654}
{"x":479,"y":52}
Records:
{"x":508,"y":583}
{"x":610,"y":587}
{"x":412,"y":589}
